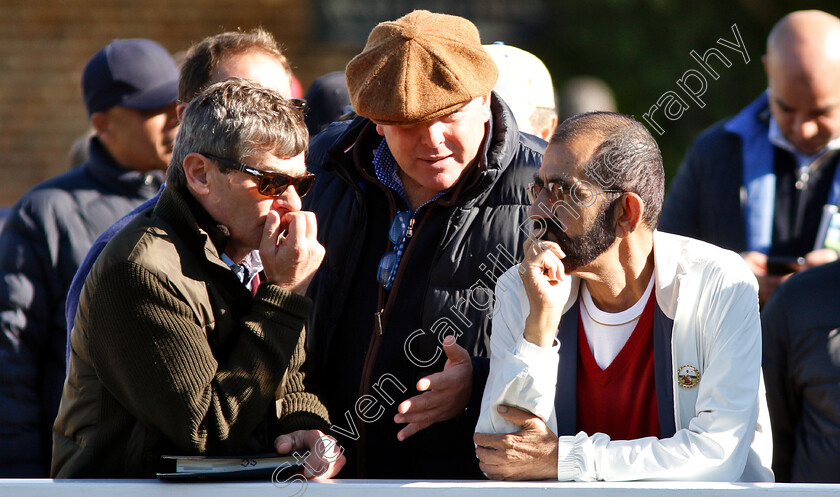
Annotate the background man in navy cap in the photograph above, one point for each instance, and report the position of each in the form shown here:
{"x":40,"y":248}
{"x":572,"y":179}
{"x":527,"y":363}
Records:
{"x":419,"y":205}
{"x":130,"y":89}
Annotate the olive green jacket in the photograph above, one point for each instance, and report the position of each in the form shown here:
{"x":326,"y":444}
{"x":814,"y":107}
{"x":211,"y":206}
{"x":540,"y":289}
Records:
{"x":170,"y":353}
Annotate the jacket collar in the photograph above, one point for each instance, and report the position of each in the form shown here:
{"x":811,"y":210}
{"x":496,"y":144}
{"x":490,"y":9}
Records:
{"x":667,"y":253}
{"x":103,"y":169}
{"x":667,"y":269}
{"x":198,"y":228}
{"x":504,"y":141}
{"x":501,"y":144}
{"x":202,"y":236}
{"x":753,"y":119}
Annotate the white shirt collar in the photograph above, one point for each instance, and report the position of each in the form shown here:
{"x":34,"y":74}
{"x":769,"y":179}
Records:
{"x":249,"y":268}
{"x":774,"y":134}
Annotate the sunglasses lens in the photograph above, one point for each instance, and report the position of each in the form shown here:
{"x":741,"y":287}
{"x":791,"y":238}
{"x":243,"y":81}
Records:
{"x":303,"y":185}
{"x":299,"y":103}
{"x":386,"y":267}
{"x":273,"y":185}
{"x":399,"y":227}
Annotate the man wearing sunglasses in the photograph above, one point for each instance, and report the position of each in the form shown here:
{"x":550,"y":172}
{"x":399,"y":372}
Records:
{"x":253,"y":55}
{"x":418,"y":201}
{"x":620,"y":352}
{"x":189,"y":336}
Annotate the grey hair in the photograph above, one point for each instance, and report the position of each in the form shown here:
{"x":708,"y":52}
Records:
{"x":627,"y":158}
{"x":235,"y":119}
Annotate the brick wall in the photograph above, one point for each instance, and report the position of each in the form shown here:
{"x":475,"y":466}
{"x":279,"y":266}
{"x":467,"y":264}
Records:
{"x":44,"y":45}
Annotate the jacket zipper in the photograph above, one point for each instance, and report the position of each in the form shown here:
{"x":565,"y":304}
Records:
{"x":373,"y":348}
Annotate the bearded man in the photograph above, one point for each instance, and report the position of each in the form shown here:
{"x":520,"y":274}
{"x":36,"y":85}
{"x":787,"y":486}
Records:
{"x":620,"y":352}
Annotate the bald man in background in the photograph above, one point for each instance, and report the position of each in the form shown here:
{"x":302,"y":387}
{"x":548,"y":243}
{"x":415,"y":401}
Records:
{"x":758,"y":183}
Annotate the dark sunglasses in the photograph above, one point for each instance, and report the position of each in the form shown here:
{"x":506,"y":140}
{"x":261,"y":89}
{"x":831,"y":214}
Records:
{"x":299,"y":103}
{"x":270,"y":184}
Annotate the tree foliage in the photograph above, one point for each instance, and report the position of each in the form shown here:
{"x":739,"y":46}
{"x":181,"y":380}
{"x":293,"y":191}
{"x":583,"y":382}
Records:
{"x":641,"y":48}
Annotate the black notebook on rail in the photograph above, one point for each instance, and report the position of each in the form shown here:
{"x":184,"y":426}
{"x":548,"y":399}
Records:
{"x":247,"y":467}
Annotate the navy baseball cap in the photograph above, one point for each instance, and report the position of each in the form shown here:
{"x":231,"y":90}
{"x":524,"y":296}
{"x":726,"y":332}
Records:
{"x":134,"y":73}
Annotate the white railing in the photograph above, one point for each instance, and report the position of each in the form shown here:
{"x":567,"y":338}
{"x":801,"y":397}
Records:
{"x":383,"y":488}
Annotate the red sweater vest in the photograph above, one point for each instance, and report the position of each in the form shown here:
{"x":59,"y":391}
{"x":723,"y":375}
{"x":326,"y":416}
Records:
{"x":619,"y":401}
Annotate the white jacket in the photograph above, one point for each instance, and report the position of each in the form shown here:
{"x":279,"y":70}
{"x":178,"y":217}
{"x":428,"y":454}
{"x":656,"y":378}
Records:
{"x":710,"y":296}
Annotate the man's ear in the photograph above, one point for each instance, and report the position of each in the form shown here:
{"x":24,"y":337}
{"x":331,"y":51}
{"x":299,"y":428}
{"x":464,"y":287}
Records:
{"x":380,"y":130}
{"x":548,"y":129}
{"x":485,"y":108}
{"x":101,"y":124}
{"x":179,"y":111}
{"x":196,"y":168}
{"x":629,"y":212}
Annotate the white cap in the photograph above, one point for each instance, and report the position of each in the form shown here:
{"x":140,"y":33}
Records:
{"x":524,"y":82}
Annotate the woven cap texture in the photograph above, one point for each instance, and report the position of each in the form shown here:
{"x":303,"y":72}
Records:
{"x":420,"y":67}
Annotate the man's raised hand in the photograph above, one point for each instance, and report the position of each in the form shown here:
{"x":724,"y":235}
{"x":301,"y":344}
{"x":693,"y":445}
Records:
{"x":291,"y":256}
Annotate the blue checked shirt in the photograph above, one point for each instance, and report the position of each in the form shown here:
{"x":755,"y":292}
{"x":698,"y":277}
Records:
{"x":386,"y":167}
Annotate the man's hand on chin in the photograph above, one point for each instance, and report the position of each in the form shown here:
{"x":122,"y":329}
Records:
{"x":528,"y":454}
{"x":548,"y":288}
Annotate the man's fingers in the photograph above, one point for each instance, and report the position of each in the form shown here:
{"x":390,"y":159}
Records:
{"x":491,"y":471}
{"x":455,"y":352}
{"x":489,"y":440}
{"x":555,"y":249}
{"x":310,"y":225}
{"x":404,"y":407}
{"x":325,"y":457}
{"x":416,"y":408}
{"x":516,"y":416}
{"x":545,"y":259}
{"x":271,"y":231}
{"x":543,"y":246}
{"x":426,"y":383}
{"x":490,"y":456}
{"x":553,"y":269}
{"x":296,"y":229}
{"x":289,"y":442}
{"x":435,"y":381}
{"x":409,"y":407}
{"x":283,"y":444}
{"x":528,"y":247}
{"x":411,"y":429}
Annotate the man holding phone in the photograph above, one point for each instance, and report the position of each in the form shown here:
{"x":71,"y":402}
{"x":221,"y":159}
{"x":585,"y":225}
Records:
{"x":761,"y":183}
{"x":620,"y":352}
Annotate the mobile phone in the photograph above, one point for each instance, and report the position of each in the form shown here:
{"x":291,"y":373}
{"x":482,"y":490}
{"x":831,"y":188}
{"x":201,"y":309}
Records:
{"x":784,"y":265}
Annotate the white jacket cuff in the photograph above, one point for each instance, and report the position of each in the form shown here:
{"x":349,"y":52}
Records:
{"x":568,"y":458}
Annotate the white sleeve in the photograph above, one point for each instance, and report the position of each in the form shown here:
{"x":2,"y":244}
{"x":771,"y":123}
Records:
{"x":522,"y":374}
{"x":715,"y":444}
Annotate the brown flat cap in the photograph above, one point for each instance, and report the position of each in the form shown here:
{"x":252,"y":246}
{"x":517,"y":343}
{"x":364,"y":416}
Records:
{"x":420,"y":67}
